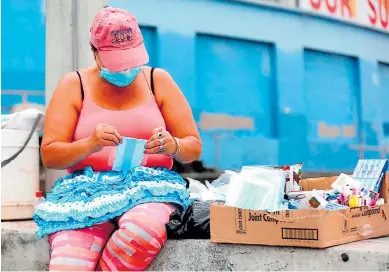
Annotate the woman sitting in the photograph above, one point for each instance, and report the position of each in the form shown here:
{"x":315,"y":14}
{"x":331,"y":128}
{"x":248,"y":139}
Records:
{"x":96,"y":217}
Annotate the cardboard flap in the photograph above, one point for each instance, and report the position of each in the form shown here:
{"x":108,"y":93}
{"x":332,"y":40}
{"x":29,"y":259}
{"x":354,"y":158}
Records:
{"x":322,"y":183}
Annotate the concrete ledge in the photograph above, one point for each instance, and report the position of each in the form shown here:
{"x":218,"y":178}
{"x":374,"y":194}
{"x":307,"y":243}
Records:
{"x":20,"y":250}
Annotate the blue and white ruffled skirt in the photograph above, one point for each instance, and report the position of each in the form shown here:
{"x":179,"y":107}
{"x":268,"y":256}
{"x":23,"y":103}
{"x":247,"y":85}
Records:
{"x":84,"y":198}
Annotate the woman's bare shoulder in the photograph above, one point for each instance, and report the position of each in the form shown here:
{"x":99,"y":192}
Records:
{"x":68,"y":90}
{"x":166,"y":83}
{"x":70,"y":83}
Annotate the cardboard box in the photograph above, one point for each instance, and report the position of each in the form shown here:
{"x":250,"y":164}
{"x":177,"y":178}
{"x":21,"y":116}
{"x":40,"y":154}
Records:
{"x":301,"y":228}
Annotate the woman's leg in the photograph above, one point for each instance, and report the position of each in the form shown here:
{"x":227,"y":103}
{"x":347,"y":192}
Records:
{"x":78,"y":250}
{"x":138,"y":240}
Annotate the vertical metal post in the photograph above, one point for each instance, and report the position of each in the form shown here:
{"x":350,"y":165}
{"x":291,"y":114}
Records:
{"x":75,"y":34}
{"x":67,"y":47}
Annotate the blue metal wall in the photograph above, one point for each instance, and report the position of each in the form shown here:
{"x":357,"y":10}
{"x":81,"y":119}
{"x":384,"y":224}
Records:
{"x":236,"y":77}
{"x":331,"y":95}
{"x":22,"y":52}
{"x":383,"y":102}
{"x":150,"y":35}
{"x":284,"y":87}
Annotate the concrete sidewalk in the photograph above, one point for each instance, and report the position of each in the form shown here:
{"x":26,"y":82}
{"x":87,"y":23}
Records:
{"x":20,"y":250}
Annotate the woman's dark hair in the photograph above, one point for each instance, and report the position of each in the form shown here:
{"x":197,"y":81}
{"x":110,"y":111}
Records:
{"x":94,"y":49}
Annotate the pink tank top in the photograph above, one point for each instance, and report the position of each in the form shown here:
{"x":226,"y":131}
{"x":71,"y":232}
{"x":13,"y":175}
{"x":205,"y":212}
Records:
{"x":135,"y":123}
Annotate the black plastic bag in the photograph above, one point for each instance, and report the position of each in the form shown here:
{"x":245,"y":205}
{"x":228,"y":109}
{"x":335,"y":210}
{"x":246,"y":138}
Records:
{"x":194,"y":223}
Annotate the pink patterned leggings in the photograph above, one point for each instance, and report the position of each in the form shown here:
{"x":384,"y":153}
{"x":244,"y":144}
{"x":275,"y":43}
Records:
{"x":133,"y":246}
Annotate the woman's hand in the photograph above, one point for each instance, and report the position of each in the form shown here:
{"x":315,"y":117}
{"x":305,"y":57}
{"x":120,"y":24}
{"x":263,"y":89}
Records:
{"x":161,"y":142}
{"x":104,"y":135}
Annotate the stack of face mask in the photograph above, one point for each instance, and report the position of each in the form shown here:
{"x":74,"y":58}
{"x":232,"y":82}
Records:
{"x":370,"y":174}
{"x":257,"y":188}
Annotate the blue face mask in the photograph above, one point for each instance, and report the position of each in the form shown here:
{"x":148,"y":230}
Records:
{"x":129,"y":154}
{"x":122,"y":78}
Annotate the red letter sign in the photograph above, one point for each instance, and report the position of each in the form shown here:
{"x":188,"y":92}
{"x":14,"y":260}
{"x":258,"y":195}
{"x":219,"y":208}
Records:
{"x":316,"y":4}
{"x":373,"y":13}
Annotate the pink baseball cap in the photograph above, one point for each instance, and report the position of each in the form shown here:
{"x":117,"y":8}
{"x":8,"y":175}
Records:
{"x":118,"y":39}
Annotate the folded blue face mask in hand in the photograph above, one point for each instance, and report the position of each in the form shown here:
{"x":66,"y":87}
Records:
{"x":129,"y":154}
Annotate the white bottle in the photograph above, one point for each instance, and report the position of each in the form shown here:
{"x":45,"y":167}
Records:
{"x":39,"y":198}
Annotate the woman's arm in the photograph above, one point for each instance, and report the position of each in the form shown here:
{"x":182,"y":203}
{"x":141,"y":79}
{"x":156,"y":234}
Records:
{"x":57,"y":149}
{"x":178,"y":116}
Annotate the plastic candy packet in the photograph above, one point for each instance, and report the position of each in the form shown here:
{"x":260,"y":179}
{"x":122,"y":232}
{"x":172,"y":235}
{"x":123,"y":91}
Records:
{"x":313,"y":201}
{"x":303,"y":194}
{"x":293,"y":177}
{"x":355,"y":200}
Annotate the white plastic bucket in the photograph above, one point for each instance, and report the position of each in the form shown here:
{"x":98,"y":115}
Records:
{"x":19,"y":178}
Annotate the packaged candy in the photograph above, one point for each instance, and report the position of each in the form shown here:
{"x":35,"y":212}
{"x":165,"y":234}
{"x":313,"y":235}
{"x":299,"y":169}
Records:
{"x":364,"y":200}
{"x":294,"y":205}
{"x":313,"y":201}
{"x":333,"y":201}
{"x":303,"y":194}
{"x":364,"y":192}
{"x":285,"y":205}
{"x":343,"y":200}
{"x":293,"y":177}
{"x":373,"y":197}
{"x":354,"y":201}
{"x":335,"y":206}
{"x":331,"y":195}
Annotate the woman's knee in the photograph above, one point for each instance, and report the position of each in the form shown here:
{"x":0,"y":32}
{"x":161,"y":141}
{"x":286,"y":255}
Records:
{"x":78,"y":250}
{"x":129,"y":250}
{"x":136,"y":243}
{"x":146,"y":223}
{"x":71,"y":253}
